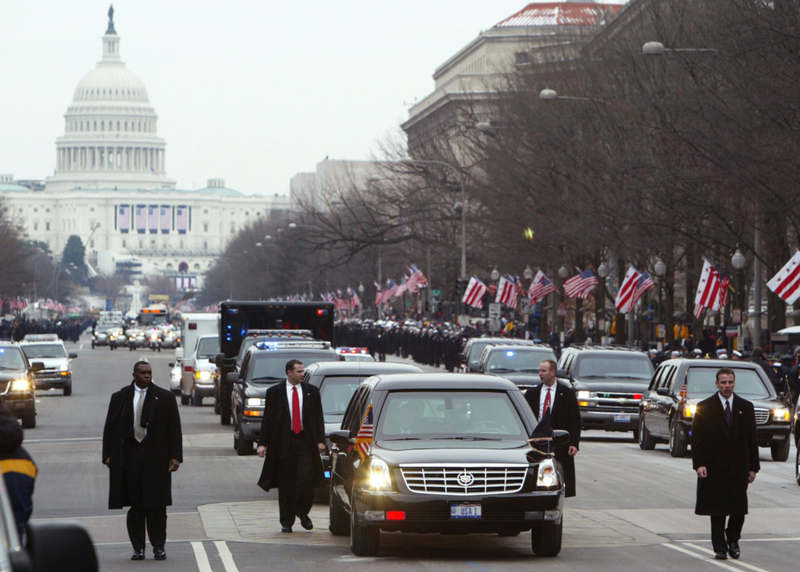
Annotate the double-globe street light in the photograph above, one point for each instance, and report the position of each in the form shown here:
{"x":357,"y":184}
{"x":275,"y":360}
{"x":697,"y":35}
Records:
{"x":739,"y":261}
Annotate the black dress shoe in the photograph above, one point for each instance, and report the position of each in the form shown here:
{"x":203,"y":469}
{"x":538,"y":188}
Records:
{"x":733,"y":550}
{"x":138,"y":554}
{"x":306,"y":523}
{"x":720,"y":556}
{"x":159,"y":553}
{"x":286,"y":529}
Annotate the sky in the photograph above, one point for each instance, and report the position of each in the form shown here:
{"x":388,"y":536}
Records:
{"x":253,"y":92}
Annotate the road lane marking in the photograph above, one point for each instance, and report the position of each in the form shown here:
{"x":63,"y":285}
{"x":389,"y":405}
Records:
{"x":719,"y":563}
{"x":63,"y":440}
{"x":226,"y":556}
{"x":203,"y":565}
{"x":476,"y":566}
{"x":740,"y":563}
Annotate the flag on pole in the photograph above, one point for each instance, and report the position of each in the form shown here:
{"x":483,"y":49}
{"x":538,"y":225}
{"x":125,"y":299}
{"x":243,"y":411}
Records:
{"x":473,"y":296}
{"x":390,"y":292}
{"x":627,"y":289}
{"x":707,"y":295}
{"x":540,"y":287}
{"x":417,"y":279}
{"x":506,"y":292}
{"x":403,"y":287}
{"x":364,"y":438}
{"x":786,"y":283}
{"x":644,"y":284}
{"x":724,"y":284}
{"x":580,"y":285}
{"x":378,"y":294}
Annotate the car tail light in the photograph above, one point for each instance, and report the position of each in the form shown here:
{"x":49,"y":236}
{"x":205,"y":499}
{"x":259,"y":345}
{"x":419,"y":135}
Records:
{"x":192,"y":326}
{"x":395,"y":515}
{"x":188,"y":368}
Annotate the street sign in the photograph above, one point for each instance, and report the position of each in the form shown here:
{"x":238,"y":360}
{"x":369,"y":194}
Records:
{"x":494,"y":310}
{"x":436,"y":292}
{"x":661,"y":331}
{"x":737,"y":316}
{"x":525,"y":305}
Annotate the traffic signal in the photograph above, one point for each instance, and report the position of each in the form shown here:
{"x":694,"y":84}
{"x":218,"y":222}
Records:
{"x":461,"y":287}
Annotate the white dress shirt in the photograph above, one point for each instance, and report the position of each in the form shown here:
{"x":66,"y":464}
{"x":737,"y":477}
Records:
{"x":543,"y":396}
{"x":724,"y":401}
{"x":289,"y":388}
{"x":137,"y":395}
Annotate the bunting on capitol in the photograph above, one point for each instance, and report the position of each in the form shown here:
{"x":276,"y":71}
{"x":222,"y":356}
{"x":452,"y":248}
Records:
{"x":473,"y":295}
{"x":540,"y":287}
{"x":786,"y":283}
{"x":581,"y":285}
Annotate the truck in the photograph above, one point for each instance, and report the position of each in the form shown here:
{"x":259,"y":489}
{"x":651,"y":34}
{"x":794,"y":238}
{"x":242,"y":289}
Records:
{"x":155,"y":315}
{"x":197,"y":371}
{"x":237,"y":317}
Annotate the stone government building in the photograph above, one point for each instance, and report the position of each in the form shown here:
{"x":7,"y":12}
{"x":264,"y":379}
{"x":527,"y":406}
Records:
{"x":110,"y":186}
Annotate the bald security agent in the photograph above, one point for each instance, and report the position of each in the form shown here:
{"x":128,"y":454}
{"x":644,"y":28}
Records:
{"x":142,"y":447}
{"x":291,"y":439}
{"x":725,"y":457}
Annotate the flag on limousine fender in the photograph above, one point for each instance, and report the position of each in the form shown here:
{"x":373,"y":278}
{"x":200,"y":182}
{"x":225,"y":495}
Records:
{"x":365,"y":433}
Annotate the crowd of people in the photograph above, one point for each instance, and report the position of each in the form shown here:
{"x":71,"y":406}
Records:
{"x":68,"y":329}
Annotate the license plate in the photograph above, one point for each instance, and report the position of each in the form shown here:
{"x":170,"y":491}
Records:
{"x":465,"y":510}
{"x":622,"y":418}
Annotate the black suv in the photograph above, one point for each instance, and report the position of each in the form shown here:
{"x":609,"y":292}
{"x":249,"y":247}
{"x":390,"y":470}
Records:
{"x":337,"y":382}
{"x":263,"y":366}
{"x":609,"y":384}
{"x":516,"y":363}
{"x":444,"y":453}
{"x":17,"y":383}
{"x":678,"y":385}
{"x":468,"y":358}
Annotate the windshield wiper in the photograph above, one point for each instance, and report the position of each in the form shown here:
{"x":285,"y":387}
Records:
{"x":403,"y":439}
{"x":267,"y":378}
{"x":591,"y":376}
{"x":628,"y":377}
{"x":530,"y":370}
{"x":501,"y":370}
{"x":465,"y":438}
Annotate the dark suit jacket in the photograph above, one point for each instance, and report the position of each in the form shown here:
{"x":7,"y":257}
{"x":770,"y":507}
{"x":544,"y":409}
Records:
{"x":276,"y":426}
{"x":164,"y":442}
{"x":565,"y":416}
{"x":727,"y":453}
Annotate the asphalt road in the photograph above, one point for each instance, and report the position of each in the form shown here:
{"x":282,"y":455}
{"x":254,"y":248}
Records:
{"x":634,"y":509}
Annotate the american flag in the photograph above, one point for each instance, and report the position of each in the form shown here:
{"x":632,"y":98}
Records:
{"x":786,"y":283}
{"x":644,"y":283}
{"x":627,"y":290}
{"x":378,"y":294}
{"x":707,"y":295}
{"x":473,"y":296}
{"x":540,"y":287}
{"x":364,"y":437}
{"x":403,"y":287}
{"x":518,"y":286}
{"x":166,"y":223}
{"x":141,"y":219}
{"x":506,"y":292}
{"x":390,"y":292}
{"x":182,"y":221}
{"x":152,"y":218}
{"x":580,"y":285}
{"x":724,"y":284}
{"x":355,"y":299}
{"x":417,"y":279}
{"x":124,"y":218}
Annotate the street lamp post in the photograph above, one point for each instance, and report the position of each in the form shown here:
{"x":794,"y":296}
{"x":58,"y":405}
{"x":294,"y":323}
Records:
{"x":602,"y":272}
{"x":739,"y":261}
{"x":361,"y":299}
{"x":563,"y":273}
{"x":661,"y":271}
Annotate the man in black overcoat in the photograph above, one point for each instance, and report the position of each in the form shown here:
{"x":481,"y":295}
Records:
{"x":562,"y":408}
{"x":725,"y":457}
{"x":142,"y":447}
{"x":291,"y":440}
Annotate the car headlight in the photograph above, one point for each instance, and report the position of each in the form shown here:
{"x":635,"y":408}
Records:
{"x":583,"y":395}
{"x":20,"y":385}
{"x":780,"y":414}
{"x":547,"y":475}
{"x":64,"y":368}
{"x":254,"y":402}
{"x":379,"y":476}
{"x":689,"y":410}
{"x":203,"y":375}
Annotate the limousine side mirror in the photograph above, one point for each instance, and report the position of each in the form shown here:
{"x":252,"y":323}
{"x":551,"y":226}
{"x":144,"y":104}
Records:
{"x":562,"y":373}
{"x":474,"y":368}
{"x":171,"y":364}
{"x":341,"y":438}
{"x":663,"y":391}
{"x":233,"y":377}
{"x":560,"y":437}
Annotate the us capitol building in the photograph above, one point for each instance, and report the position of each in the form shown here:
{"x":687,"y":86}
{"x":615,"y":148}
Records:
{"x":111,"y":189}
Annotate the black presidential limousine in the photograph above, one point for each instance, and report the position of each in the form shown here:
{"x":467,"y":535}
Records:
{"x":449,"y":453}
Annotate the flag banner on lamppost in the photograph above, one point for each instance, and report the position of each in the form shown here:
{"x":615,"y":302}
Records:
{"x":540,"y":288}
{"x":786,"y":283}
{"x":708,"y":290}
{"x":643,"y":284}
{"x":507,"y":292}
{"x":473,"y":296}
{"x":581,"y":285}
{"x":627,"y":290}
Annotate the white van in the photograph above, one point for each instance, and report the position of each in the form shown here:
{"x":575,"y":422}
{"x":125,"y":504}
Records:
{"x":199,"y":344}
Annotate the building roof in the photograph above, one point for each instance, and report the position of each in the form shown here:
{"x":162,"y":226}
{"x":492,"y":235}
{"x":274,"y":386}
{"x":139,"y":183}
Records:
{"x":564,"y":13}
{"x":221,"y":191}
{"x":12,"y":187}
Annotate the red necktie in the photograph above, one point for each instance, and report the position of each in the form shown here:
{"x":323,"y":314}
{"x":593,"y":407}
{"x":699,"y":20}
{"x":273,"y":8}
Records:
{"x":297,"y":424}
{"x":546,"y":402}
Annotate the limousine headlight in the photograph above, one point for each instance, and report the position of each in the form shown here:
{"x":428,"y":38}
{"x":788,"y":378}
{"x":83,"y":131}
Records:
{"x":547,"y":475}
{"x":780,"y":414}
{"x":689,"y":410}
{"x":20,"y":385}
{"x":379,"y":476}
{"x":254,"y":402}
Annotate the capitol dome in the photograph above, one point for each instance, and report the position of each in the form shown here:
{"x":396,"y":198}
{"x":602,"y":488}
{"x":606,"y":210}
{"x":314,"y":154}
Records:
{"x":110,"y":138}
